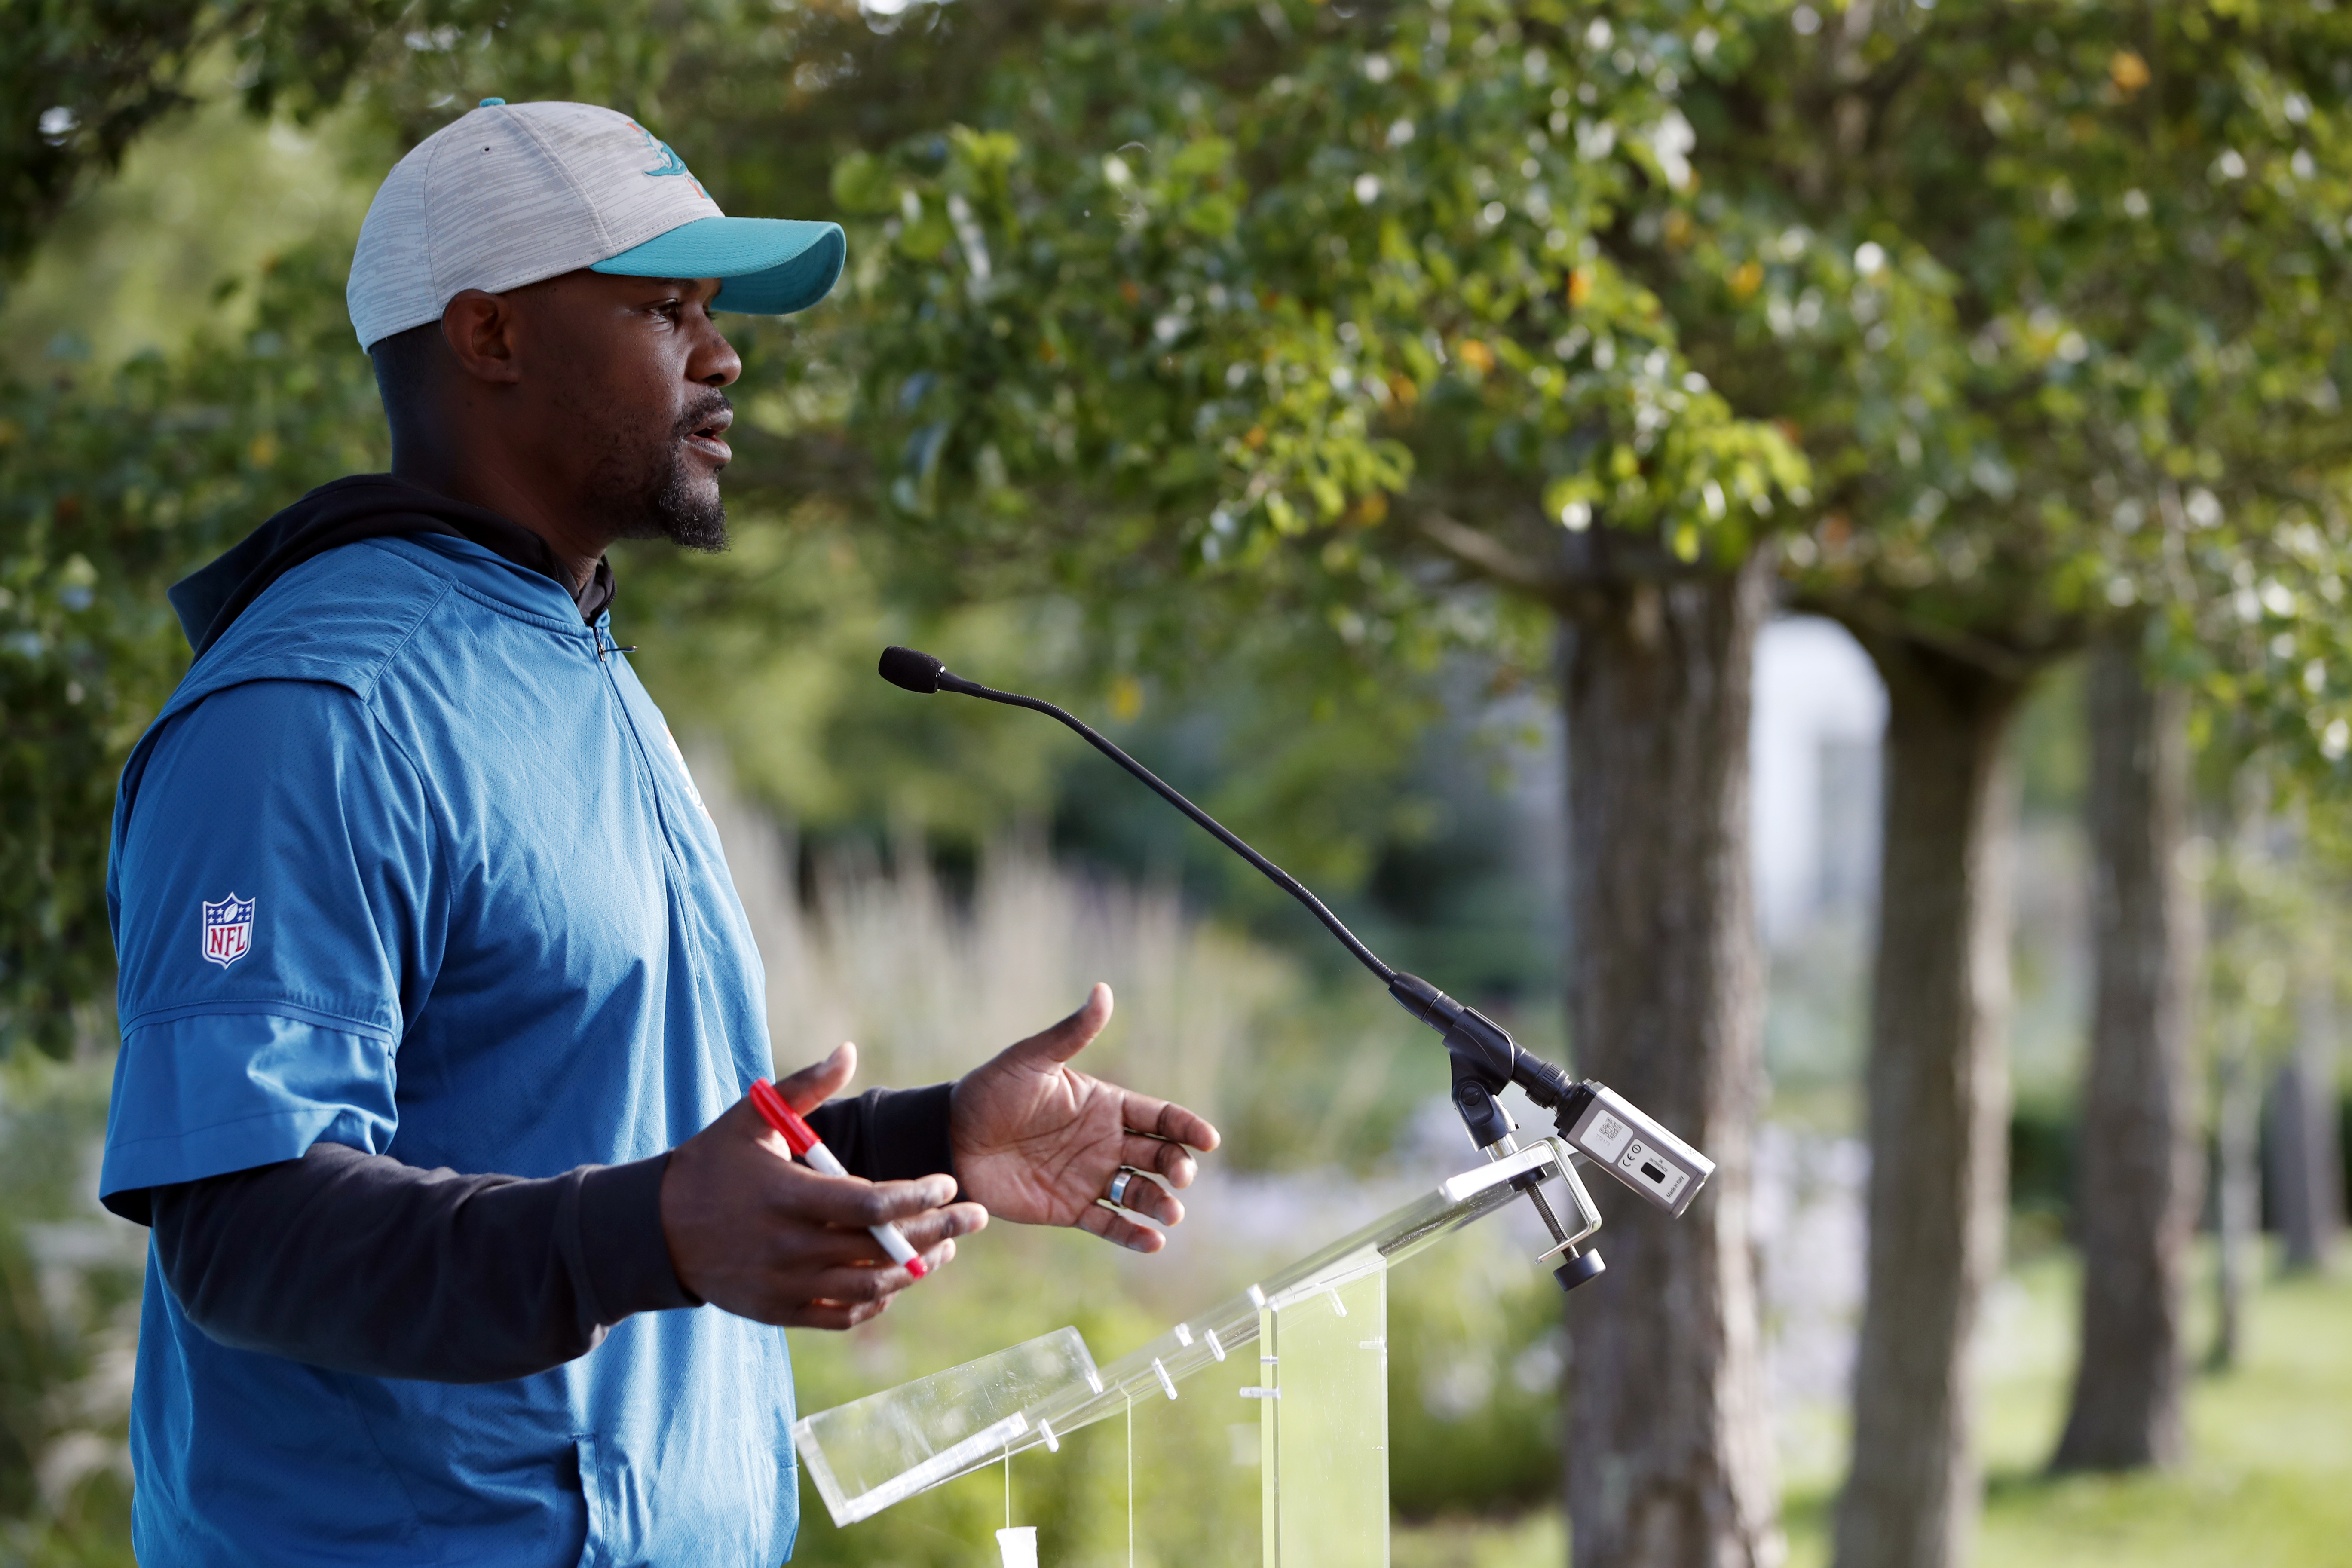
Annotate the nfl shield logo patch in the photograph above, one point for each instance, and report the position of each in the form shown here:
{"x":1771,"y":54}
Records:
{"x":228,"y":929}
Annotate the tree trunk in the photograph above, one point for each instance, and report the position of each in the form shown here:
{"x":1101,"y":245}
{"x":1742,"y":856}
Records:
{"x":1939,"y":1092}
{"x":2238,"y":1211}
{"x":2137,"y":1202}
{"x":2237,"y":1120}
{"x":2306,"y":1160}
{"x":1671,"y":1462}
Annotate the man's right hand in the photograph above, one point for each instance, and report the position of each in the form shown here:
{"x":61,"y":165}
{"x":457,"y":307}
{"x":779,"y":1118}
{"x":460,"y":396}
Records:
{"x":754,"y":1232}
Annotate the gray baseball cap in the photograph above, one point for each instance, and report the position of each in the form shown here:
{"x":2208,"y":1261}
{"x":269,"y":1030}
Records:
{"x":513,"y":193}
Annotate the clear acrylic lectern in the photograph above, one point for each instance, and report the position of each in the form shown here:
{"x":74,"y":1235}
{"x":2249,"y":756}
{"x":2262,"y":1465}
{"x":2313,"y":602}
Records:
{"x":1308,"y":1347}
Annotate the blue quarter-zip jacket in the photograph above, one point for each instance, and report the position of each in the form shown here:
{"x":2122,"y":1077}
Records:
{"x":410,"y":863}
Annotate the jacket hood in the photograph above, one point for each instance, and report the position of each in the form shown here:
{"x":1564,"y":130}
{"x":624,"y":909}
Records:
{"x":364,"y":506}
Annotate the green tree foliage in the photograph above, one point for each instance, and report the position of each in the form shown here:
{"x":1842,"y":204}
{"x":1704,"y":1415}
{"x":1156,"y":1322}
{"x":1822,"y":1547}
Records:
{"x":80,"y":81}
{"x":1213,"y":286}
{"x":2052,"y":294}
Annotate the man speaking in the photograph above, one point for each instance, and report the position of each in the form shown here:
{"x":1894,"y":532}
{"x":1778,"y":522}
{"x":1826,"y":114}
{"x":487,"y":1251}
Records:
{"x":438,"y":1008}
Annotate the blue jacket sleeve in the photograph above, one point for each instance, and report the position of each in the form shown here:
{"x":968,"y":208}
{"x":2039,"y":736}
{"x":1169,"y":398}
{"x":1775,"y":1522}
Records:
{"x":278,"y":915}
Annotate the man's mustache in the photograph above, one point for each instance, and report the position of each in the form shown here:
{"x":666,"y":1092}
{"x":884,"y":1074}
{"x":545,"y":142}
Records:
{"x":702,"y":413}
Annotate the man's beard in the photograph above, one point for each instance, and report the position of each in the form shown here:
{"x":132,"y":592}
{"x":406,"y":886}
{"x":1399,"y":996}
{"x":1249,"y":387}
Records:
{"x":649,"y":489}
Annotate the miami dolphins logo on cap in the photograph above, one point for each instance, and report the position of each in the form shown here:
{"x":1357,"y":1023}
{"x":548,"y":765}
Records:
{"x":671,"y":164}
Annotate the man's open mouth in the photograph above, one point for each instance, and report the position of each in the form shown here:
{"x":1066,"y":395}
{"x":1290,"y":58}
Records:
{"x":710,"y":437}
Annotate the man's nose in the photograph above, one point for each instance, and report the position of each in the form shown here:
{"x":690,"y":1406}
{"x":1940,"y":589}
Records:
{"x":714,"y":362}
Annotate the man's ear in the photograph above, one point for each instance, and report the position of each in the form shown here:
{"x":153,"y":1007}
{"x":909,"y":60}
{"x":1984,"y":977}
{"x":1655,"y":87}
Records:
{"x":480,"y":330}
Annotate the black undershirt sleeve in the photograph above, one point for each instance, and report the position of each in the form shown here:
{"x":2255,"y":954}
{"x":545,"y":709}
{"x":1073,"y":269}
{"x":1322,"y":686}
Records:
{"x":358,"y":1263}
{"x":888,"y":1134}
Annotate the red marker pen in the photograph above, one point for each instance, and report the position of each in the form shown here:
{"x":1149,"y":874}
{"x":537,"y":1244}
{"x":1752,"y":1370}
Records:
{"x":809,"y":1147}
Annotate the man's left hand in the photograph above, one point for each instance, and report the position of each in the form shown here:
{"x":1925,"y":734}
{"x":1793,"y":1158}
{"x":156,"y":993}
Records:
{"x":1038,"y":1142}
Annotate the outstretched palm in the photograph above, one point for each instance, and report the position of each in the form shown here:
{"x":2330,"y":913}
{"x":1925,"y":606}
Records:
{"x":1037,"y":1141}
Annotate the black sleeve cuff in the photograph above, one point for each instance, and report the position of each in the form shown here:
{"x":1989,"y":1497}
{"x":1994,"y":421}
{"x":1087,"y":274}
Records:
{"x":623,"y":1246}
{"x":137,"y":1204}
{"x":889,"y":1134}
{"x":907,"y":1134}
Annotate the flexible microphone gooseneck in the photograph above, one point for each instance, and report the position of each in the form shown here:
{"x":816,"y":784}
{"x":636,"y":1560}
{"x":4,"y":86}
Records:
{"x":1472,"y":1039}
{"x":919,"y":672}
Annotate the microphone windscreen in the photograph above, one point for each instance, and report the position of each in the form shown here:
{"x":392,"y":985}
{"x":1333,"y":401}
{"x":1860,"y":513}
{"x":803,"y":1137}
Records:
{"x":915,"y":672}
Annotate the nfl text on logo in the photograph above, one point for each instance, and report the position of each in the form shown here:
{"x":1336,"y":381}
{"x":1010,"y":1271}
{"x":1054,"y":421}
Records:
{"x":228,"y":929}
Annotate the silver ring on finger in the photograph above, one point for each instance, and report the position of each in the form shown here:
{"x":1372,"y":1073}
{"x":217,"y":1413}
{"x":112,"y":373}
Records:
{"x":1117,"y":1195}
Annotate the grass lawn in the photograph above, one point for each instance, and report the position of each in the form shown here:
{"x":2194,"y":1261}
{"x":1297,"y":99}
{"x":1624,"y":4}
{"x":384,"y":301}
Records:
{"x":2268,"y":1483}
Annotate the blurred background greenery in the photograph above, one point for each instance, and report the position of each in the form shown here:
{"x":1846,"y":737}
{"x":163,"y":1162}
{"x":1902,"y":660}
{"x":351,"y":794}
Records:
{"x":174,"y":364}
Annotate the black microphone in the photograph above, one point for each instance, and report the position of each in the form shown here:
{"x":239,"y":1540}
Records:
{"x":917,"y":672}
{"x":1474,"y":1040}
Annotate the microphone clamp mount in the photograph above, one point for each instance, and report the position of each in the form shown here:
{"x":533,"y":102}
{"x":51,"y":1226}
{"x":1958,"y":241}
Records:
{"x":1595,"y":1121}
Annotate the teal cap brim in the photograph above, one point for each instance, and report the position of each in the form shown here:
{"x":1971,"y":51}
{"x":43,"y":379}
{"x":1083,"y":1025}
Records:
{"x":767,"y":266}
